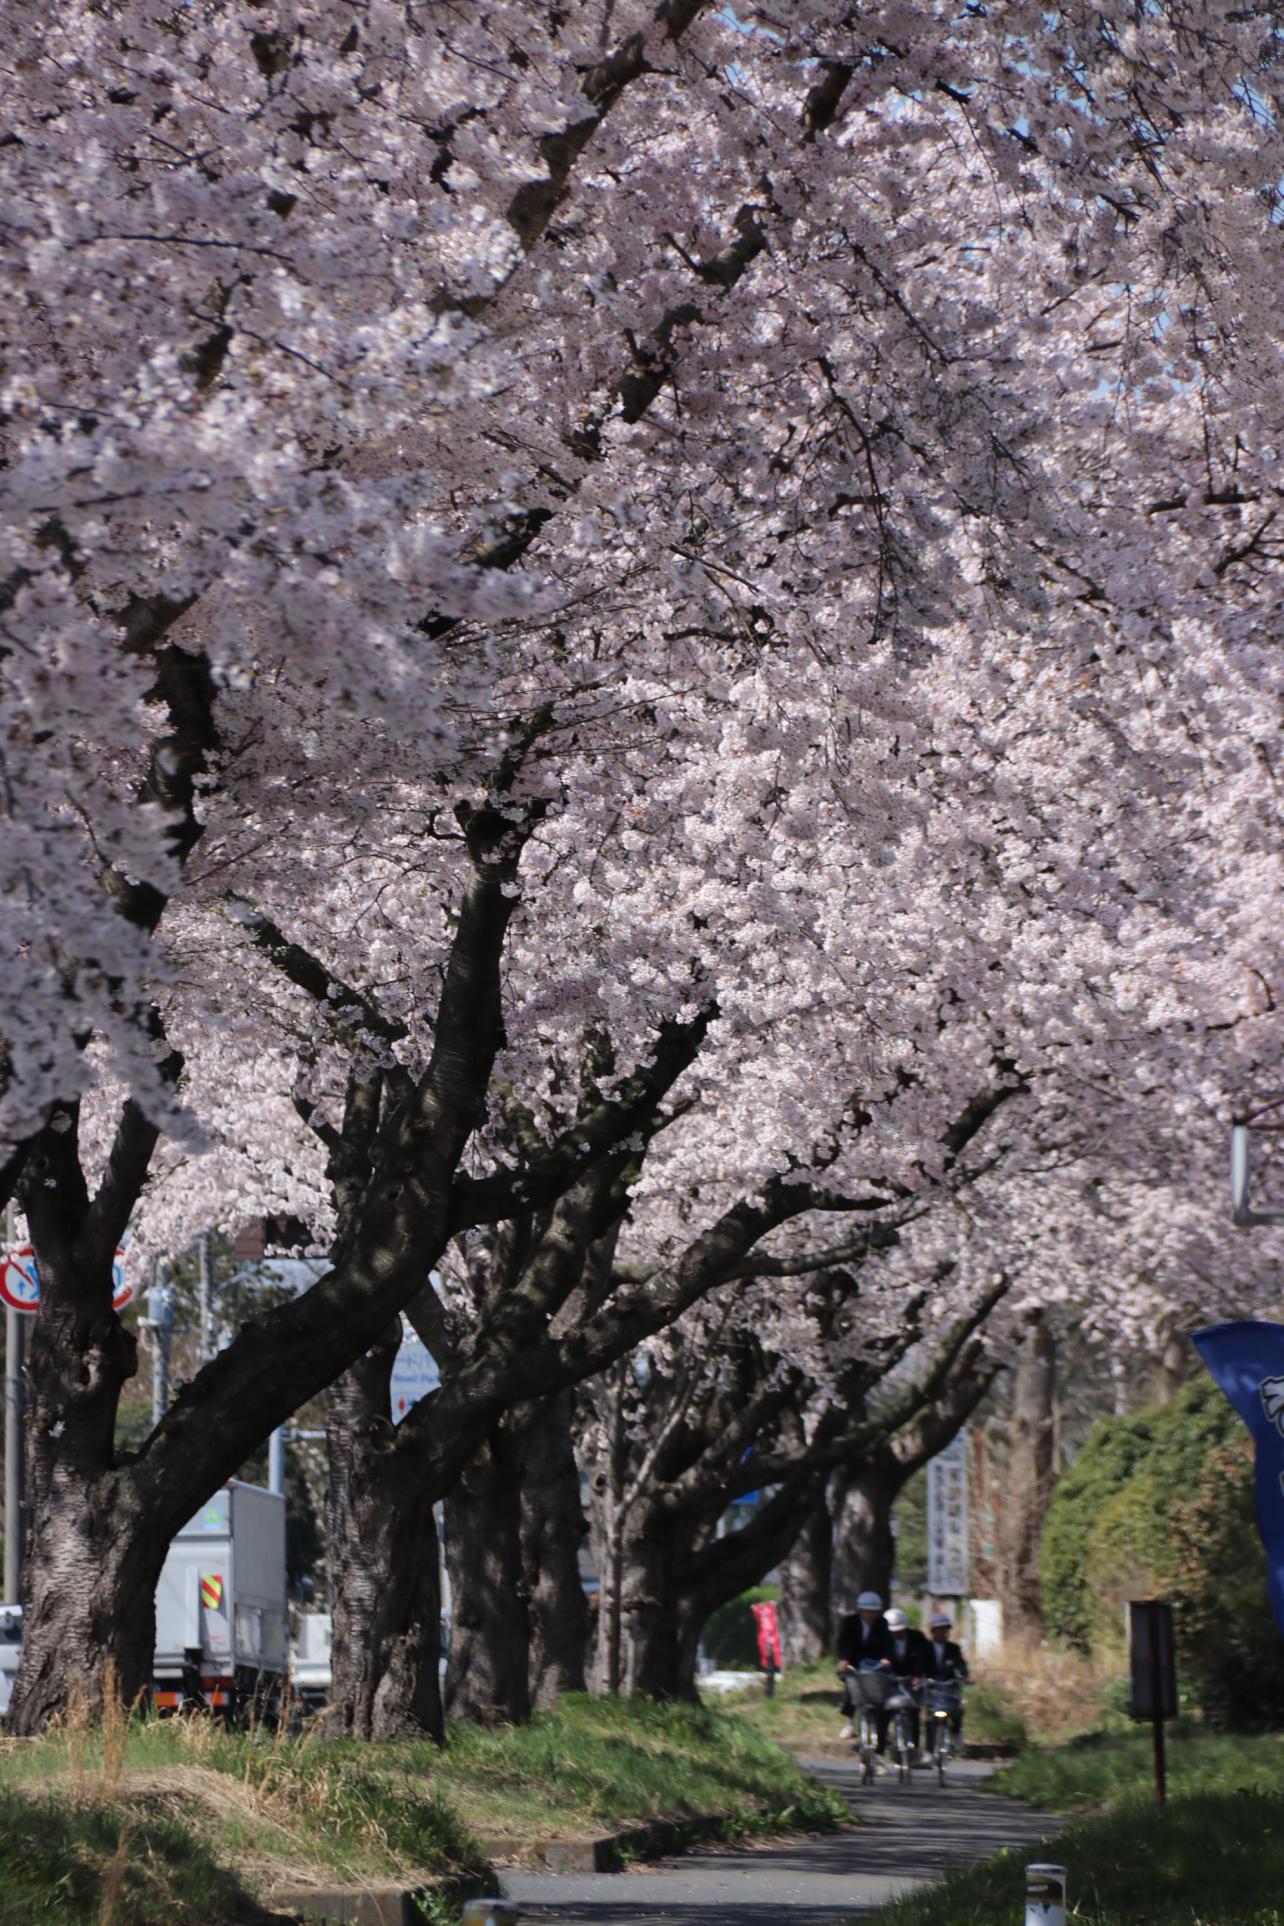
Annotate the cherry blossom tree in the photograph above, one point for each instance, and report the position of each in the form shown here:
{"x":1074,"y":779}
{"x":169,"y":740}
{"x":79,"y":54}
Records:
{"x":800,"y":482}
{"x":678,"y":1439}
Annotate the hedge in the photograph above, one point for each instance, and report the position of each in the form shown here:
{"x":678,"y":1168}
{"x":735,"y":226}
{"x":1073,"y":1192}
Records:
{"x":1162,"y":1503}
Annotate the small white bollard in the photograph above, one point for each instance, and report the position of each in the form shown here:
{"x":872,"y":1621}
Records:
{"x":489,"y":1912}
{"x":1045,"y":1896}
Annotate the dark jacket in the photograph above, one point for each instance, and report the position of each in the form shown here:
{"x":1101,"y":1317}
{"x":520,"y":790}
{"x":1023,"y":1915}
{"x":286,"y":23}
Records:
{"x":914,"y":1663}
{"x":950,"y":1665}
{"x":856,"y":1641}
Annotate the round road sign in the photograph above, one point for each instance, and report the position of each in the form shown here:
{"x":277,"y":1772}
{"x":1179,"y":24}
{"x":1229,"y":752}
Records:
{"x":20,"y":1280}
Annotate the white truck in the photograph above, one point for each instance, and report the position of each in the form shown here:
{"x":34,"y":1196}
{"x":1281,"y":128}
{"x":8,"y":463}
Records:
{"x":10,"y":1651}
{"x":310,"y":1662}
{"x":222,"y":1634}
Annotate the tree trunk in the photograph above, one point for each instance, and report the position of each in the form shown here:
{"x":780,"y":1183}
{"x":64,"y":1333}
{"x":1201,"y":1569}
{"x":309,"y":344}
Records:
{"x":806,"y":1579}
{"x":385,"y":1565}
{"x":89,"y":1601}
{"x":1029,"y":1475}
{"x":94,"y":1550}
{"x":864,"y":1546}
{"x":553,"y":1530}
{"x":488,"y":1670}
{"x":1171,"y":1368}
{"x":661,"y":1630}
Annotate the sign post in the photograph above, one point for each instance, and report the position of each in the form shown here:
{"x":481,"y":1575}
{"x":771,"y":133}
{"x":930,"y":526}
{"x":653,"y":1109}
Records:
{"x":15,"y":1331}
{"x":947,"y":1521}
{"x":1153,"y":1675}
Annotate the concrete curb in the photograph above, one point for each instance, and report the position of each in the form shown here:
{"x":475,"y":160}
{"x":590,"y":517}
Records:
{"x":608,"y":1853}
{"x":350,"y":1906}
{"x":611,"y":1852}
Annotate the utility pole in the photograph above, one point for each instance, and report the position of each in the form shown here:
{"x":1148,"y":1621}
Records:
{"x":205,"y":1296}
{"x":160,"y":1328}
{"x":15,"y":1335}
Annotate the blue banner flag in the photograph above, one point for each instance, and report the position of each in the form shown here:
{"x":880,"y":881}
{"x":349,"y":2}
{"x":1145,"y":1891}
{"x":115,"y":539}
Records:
{"x":1247,"y":1363}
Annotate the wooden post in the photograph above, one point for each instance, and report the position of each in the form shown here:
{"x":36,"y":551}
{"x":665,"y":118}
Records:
{"x":1157,"y":1713}
{"x":1152,"y":1675}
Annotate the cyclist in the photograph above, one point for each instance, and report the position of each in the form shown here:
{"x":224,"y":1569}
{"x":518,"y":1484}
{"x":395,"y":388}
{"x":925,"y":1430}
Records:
{"x":909,"y":1655}
{"x":863,"y":1639}
{"x":945,"y":1660}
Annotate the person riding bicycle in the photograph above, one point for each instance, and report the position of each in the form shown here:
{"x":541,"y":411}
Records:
{"x":945,"y":1662}
{"x":863,"y":1640}
{"x":909,"y":1655}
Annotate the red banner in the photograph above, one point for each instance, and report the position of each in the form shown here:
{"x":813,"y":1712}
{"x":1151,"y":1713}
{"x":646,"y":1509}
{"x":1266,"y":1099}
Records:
{"x":769,"y":1654}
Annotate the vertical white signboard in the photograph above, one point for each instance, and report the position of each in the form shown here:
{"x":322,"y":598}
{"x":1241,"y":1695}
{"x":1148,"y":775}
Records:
{"x":947,"y":1547}
{"x":414,"y":1375}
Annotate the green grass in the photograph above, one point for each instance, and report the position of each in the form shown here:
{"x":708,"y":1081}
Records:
{"x":63,"y":1861}
{"x":1213,"y":1856}
{"x":1104,"y":1767}
{"x":596,"y":1764}
{"x":805,"y":1711}
{"x":214,"y":1819}
{"x":1210,"y":1859}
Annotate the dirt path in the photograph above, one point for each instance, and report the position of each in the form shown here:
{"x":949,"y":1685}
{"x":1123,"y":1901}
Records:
{"x":911,"y":1834}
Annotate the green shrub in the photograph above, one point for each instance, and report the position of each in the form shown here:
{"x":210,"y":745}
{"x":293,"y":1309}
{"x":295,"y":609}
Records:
{"x":1115,"y":1449}
{"x":1162,"y":1503}
{"x":1231,"y":1652}
{"x":1122,"y":1559}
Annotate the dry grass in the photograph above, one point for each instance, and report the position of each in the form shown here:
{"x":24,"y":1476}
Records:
{"x":115,"y":1876}
{"x":1056,"y":1694}
{"x":275,"y":1811}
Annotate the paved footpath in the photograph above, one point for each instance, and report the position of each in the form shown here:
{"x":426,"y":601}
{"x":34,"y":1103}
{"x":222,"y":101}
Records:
{"x":911,"y":1834}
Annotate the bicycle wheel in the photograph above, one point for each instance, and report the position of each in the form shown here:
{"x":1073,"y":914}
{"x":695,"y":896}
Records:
{"x":942,"y":1754}
{"x":866,"y":1745}
{"x":904,"y":1755}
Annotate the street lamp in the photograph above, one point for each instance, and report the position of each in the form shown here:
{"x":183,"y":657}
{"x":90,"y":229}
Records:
{"x":1266,"y":1121}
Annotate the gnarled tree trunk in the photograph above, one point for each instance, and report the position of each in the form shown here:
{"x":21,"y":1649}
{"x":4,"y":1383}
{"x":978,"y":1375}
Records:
{"x":661,"y":1631}
{"x":1031,"y":1437}
{"x":553,"y":1529}
{"x":385,"y":1564}
{"x":95,"y":1548}
{"x":806,"y":1579}
{"x":488,"y":1668}
{"x":864,"y":1544}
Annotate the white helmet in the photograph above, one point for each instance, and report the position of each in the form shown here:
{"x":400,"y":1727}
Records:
{"x":940,"y":1622}
{"x":869,"y":1602}
{"x":896,"y":1620}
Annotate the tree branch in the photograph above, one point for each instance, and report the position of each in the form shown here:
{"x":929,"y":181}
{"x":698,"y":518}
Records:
{"x":344,"y":1006}
{"x":533,"y":205}
{"x":597,"y":1130}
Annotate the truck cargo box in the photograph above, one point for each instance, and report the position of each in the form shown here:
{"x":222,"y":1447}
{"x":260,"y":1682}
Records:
{"x":221,"y":1600}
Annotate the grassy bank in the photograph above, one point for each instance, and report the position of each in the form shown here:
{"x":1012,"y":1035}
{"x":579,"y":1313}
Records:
{"x":1213,"y":1856}
{"x":1209,"y":1859}
{"x":1103,"y":1768}
{"x":177,"y":1821}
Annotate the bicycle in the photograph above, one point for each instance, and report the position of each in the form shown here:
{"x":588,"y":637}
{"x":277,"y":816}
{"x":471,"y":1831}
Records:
{"x":943,"y":1701}
{"x":879,"y":1691}
{"x":872,"y":1683}
{"x":902,"y":1704}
